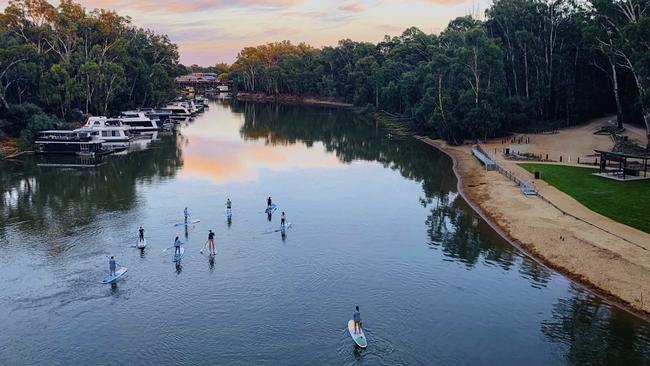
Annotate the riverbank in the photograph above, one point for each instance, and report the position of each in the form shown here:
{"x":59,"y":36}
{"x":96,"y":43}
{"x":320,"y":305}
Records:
{"x":611,"y":258}
{"x":9,"y":148}
{"x":292,"y":99}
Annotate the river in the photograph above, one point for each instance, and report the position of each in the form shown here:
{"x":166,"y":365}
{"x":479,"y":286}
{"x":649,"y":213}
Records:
{"x":377,"y":222}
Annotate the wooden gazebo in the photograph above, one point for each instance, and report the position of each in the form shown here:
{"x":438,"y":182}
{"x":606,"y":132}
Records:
{"x":623,"y":166}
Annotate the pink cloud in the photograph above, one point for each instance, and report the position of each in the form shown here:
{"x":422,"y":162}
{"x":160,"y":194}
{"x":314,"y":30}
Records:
{"x":187,"y":5}
{"x":351,"y":7}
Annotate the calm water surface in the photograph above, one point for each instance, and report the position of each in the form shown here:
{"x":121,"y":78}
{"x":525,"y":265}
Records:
{"x":376,"y":222}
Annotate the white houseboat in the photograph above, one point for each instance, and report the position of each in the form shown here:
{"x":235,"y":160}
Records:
{"x":111,"y":130}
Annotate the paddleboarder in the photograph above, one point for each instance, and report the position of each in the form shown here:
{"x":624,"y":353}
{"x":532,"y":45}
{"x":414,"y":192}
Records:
{"x":112,"y":265}
{"x":186,"y":212}
{"x":356,"y":316}
{"x":211,"y":243}
{"x":283,"y":220}
{"x":269,"y":202}
{"x":141,"y":231}
{"x":177,"y":246}
{"x":228,"y":207}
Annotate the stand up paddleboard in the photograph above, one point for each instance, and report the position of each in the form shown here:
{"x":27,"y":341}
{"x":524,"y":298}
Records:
{"x":271,"y":209}
{"x":190,"y":222}
{"x":359,"y":338}
{"x":178,"y":257}
{"x":111,"y":279}
{"x":280,"y":228}
{"x":141,"y":244}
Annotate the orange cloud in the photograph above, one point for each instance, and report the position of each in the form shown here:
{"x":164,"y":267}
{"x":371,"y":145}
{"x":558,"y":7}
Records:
{"x":351,"y":7}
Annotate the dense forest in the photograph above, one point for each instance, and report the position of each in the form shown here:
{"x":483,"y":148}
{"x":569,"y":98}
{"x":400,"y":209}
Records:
{"x":531,"y":64}
{"x":59,"y":62}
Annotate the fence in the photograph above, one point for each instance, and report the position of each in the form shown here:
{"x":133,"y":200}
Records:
{"x":526,"y":188}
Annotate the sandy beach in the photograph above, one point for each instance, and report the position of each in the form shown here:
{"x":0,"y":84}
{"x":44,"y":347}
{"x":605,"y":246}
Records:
{"x":611,"y":258}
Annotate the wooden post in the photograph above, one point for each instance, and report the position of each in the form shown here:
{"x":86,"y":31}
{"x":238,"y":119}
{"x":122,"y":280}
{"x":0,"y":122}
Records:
{"x":560,"y":158}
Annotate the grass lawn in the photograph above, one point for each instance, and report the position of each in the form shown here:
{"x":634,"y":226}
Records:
{"x":625,"y":202}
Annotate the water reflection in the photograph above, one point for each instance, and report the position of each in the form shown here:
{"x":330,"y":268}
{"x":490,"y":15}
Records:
{"x":56,"y":200}
{"x":595,"y":333}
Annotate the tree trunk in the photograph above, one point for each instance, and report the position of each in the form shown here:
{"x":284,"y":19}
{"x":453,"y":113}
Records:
{"x":617,"y":97}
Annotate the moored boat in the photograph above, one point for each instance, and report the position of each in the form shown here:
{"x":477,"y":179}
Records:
{"x":81,"y":142}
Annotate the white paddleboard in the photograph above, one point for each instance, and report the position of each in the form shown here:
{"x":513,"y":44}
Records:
{"x":178,"y":257}
{"x":359,"y":338}
{"x":111,"y":279}
{"x":189,"y":222}
{"x":141,"y":244}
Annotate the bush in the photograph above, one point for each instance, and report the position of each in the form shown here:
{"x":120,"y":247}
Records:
{"x":38,"y":122}
{"x":17,"y":116}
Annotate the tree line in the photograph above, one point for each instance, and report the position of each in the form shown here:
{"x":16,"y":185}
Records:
{"x":529,"y":65}
{"x":59,"y":62}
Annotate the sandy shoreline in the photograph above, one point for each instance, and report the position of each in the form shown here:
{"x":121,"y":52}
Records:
{"x":610,"y":258}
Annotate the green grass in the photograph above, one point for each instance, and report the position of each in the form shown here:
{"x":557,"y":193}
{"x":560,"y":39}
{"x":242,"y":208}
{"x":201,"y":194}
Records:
{"x":625,"y":202}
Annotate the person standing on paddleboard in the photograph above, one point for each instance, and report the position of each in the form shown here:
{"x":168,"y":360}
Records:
{"x":186,"y":212}
{"x":228,"y":207}
{"x":141,"y":231}
{"x":112,"y":266}
{"x":269,"y":202}
{"x":283,"y":220}
{"x":356,"y":316}
{"x":177,"y":246}
{"x":211,"y":243}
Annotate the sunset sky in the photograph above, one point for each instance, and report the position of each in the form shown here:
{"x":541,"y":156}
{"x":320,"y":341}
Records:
{"x":211,"y":31}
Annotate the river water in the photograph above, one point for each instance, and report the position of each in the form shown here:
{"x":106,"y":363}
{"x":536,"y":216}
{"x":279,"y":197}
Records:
{"x":377,"y":222}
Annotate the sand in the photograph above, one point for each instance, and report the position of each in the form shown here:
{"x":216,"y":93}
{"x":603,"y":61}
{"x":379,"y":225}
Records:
{"x":611,"y":258}
{"x":571,"y":143}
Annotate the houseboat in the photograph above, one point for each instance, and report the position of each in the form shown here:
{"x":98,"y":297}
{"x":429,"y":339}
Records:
{"x":139,"y":123}
{"x":177,"y":111}
{"x":158,"y":115}
{"x":111,"y":130}
{"x":80,"y":142}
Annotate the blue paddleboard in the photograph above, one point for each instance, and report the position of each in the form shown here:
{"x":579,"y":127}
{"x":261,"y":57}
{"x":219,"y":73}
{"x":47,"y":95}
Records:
{"x":280,"y":228}
{"x":271,"y":209}
{"x":178,"y":257}
{"x":111,"y":279}
{"x":189,"y":222}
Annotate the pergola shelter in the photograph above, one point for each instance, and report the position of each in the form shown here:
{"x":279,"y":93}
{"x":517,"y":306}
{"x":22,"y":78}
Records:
{"x":622,"y":166}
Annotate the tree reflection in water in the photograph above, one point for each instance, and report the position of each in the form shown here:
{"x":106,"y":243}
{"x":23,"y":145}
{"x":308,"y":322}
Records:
{"x":56,"y":200}
{"x":590,"y":329}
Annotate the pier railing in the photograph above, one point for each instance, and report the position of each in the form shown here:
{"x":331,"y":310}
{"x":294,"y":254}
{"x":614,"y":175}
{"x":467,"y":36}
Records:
{"x":527,"y":188}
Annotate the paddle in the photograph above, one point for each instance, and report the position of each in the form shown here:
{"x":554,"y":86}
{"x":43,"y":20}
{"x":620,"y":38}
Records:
{"x":204,"y":245}
{"x":166,"y":249}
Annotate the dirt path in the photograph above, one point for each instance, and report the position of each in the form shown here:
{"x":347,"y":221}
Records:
{"x":568,"y":144}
